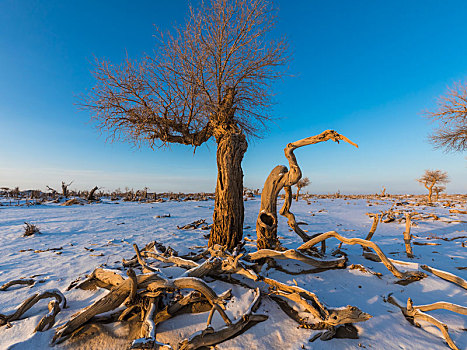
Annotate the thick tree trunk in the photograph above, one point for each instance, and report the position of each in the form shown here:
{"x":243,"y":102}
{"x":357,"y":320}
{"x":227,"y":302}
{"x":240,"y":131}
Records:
{"x":298,"y":193}
{"x":227,"y":229}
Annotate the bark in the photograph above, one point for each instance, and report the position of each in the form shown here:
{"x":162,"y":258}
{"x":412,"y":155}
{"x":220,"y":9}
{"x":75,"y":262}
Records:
{"x":91,"y":194}
{"x":227,"y":229}
{"x":283,"y":178}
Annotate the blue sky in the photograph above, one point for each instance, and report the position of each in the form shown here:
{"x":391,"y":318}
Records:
{"x":367,"y":69}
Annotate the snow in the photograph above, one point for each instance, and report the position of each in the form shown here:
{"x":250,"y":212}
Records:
{"x":102,"y":234}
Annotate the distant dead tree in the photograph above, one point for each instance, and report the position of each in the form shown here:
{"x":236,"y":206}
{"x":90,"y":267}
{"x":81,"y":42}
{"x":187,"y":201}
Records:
{"x":209,"y":79}
{"x":301,"y":184}
{"x":451,"y":116}
{"x":91,"y":194}
{"x":65,"y":188}
{"x":431,"y":178}
{"x":437,"y":190}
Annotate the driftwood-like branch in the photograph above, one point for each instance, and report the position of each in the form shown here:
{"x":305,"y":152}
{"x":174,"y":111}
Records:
{"x":413,"y":313}
{"x":443,"y":305}
{"x":408,"y":275}
{"x":148,"y":331}
{"x":323,"y":318}
{"x":9,"y":284}
{"x":446,"y":276}
{"x":133,"y":287}
{"x":209,"y":336}
{"x":285,"y":211}
{"x":374,"y":225}
{"x":283,"y":178}
{"x":296,"y":255}
{"x":171,"y":259}
{"x":105,"y":278}
{"x":109,"y":302}
{"x":48,"y":320}
{"x":407,"y":236}
{"x":142,"y":262}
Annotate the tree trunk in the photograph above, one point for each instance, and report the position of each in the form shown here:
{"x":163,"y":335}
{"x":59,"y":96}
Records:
{"x":227,"y":229}
{"x":298,"y":192}
{"x":430,"y":193}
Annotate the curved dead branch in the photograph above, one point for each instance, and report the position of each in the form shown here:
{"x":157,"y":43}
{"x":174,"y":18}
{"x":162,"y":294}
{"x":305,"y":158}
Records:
{"x":48,"y":320}
{"x":209,"y":336}
{"x":413,"y":313}
{"x":408,"y":275}
{"x":295,"y":255}
{"x":279,"y":178}
{"x":9,"y":284}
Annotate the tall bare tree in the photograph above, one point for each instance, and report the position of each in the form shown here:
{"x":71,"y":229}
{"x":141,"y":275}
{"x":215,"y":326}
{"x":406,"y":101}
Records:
{"x":431,"y":178}
{"x":301,"y":184}
{"x":209,"y":79}
{"x":451,"y":116}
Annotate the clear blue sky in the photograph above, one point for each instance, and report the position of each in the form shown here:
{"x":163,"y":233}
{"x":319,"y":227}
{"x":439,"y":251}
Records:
{"x":367,"y":69}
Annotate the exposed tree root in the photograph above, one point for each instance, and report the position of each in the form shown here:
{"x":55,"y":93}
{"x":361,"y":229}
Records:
{"x":296,"y":255}
{"x":413,"y":313}
{"x":408,"y":275}
{"x":48,"y":320}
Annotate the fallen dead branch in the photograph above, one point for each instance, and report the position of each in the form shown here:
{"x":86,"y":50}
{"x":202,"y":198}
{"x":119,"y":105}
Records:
{"x":414,"y":313}
{"x":28,"y":282}
{"x":446,"y":276}
{"x":48,"y":320}
{"x":193,"y":225}
{"x":408,"y":275}
{"x":296,"y":255}
{"x":209,"y":336}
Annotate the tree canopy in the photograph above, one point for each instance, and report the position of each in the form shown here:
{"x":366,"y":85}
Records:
{"x":451,"y":119}
{"x":204,"y":78}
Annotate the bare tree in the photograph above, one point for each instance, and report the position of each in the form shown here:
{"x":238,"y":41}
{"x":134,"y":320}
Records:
{"x":301,"y":184}
{"x":451,"y":115}
{"x":210,"y":79}
{"x":437,"y":190}
{"x":432,"y":178}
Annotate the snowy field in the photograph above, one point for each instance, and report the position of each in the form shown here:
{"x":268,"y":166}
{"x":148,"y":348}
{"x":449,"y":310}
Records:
{"x":101,"y":234}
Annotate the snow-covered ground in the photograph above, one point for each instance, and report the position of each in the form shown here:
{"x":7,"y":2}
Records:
{"x":102,"y":234}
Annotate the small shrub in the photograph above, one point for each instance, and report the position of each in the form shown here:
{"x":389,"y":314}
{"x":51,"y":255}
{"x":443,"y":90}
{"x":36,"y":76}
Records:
{"x":30,"y":229}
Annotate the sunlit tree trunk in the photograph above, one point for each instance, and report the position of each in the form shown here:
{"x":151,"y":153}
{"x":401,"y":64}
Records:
{"x":228,"y":215}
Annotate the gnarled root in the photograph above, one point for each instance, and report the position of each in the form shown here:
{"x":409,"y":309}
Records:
{"x":408,"y":275}
{"x":48,"y":320}
{"x":209,"y":336}
{"x":413,"y":313}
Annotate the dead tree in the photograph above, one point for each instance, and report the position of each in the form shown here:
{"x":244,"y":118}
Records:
{"x":283,"y":178}
{"x":65,"y":188}
{"x":301,"y":184}
{"x":451,"y":116}
{"x":211,"y":79}
{"x":91,"y":194}
{"x":432,"y":178}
